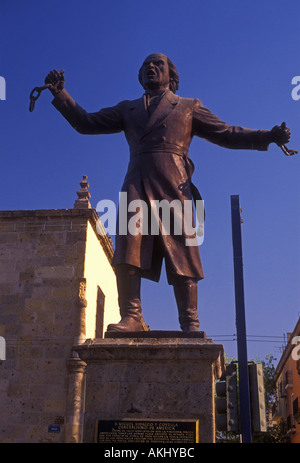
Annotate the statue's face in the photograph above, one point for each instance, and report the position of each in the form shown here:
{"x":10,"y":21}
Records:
{"x":155,"y":72}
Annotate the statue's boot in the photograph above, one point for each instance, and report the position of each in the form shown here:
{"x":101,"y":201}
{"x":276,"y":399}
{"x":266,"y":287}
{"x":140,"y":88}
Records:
{"x":129,"y":288}
{"x":186,"y":293}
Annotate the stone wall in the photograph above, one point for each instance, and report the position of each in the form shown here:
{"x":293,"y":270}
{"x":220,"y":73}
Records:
{"x":159,"y":378}
{"x":44,"y":275}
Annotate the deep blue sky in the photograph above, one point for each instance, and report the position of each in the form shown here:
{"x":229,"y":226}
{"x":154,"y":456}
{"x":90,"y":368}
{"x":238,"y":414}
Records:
{"x":238,"y":58}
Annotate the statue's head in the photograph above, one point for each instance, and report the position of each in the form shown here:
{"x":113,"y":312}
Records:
{"x":158,"y":71}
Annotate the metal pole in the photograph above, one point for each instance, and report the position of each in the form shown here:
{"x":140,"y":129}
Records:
{"x":245,"y":411}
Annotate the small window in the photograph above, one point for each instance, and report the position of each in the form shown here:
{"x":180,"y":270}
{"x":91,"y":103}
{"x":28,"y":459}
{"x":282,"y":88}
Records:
{"x":99,"y":313}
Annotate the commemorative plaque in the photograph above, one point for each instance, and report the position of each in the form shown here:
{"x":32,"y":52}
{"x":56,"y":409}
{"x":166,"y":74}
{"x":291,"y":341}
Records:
{"x":147,"y":431}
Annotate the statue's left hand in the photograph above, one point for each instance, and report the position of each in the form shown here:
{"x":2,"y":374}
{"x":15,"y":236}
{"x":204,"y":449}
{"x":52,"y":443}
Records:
{"x":280,"y":134}
{"x":57,"y":81}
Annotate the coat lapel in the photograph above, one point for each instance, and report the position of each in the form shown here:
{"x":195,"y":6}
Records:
{"x":166,"y":105}
{"x":139,"y":112}
{"x":148,"y":123}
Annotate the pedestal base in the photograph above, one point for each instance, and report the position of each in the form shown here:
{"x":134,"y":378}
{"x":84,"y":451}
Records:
{"x":155,"y":334}
{"x":151,"y":378}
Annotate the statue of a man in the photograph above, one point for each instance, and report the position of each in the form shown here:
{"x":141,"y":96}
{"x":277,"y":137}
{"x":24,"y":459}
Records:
{"x":159,"y":128}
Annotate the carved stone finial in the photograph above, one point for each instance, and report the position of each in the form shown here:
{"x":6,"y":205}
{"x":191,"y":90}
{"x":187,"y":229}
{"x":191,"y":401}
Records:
{"x":83,"y":195}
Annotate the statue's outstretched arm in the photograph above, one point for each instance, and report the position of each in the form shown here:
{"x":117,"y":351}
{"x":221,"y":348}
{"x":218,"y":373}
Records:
{"x":105,"y":121}
{"x":208,"y":126}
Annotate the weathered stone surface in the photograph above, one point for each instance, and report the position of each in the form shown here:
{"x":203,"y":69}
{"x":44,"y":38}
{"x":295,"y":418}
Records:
{"x":42,"y":296}
{"x":151,"y":378}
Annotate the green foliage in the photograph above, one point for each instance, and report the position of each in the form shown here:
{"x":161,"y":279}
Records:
{"x":227,"y":438}
{"x":276,"y":434}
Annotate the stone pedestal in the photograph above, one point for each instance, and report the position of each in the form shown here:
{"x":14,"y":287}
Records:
{"x":155,"y":376}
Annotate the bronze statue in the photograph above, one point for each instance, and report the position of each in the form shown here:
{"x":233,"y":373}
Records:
{"x":159,"y":128}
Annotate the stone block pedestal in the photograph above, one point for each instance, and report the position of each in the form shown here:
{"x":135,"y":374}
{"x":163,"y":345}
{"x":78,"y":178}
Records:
{"x":151,"y":376}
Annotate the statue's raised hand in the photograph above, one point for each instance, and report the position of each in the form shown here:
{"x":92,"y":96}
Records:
{"x":280,"y":134}
{"x":57,"y":81}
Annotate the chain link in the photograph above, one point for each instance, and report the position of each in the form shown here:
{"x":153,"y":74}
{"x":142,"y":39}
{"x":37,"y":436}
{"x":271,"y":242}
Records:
{"x":38,"y":90}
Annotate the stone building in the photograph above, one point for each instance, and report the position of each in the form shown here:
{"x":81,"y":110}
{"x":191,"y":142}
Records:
{"x":57,"y":288}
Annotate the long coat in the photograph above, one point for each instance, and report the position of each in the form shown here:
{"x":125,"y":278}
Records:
{"x":159,"y":168}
